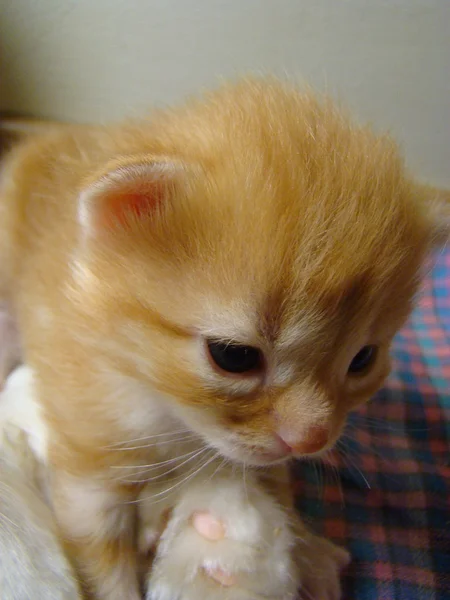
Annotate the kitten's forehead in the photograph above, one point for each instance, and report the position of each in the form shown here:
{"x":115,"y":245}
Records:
{"x":292,"y":190}
{"x":297,"y":215}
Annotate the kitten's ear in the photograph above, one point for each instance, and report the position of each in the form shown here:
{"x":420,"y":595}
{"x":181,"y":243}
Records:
{"x":126,"y":191}
{"x":437,"y":202}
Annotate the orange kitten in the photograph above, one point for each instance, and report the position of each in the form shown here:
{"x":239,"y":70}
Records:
{"x":222,"y":280}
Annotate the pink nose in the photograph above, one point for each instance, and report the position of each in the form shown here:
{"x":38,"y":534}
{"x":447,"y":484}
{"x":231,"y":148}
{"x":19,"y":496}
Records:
{"x":314,"y":440}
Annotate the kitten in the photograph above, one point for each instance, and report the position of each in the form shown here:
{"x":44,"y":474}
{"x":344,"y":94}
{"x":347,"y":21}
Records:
{"x":204,"y":291}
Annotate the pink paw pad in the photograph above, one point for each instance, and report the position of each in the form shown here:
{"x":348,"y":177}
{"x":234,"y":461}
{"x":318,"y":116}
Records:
{"x":213,"y":530}
{"x":208,"y":526}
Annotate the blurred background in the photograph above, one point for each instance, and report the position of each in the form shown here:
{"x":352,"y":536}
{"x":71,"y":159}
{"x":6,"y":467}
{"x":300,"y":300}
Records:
{"x":96,"y":60}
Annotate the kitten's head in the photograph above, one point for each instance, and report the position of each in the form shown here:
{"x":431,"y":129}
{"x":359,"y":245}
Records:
{"x":260,"y":253}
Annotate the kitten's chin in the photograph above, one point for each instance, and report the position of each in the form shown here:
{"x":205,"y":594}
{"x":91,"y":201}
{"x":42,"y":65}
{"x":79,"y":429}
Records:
{"x":266,"y":459}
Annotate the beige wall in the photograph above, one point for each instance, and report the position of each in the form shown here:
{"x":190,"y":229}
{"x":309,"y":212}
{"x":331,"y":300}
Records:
{"x":86,"y":60}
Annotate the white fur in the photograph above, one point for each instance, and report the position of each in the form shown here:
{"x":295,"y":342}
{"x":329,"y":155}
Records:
{"x":18,"y":407}
{"x":32,"y":562}
{"x":92,"y":510}
{"x":148,"y":412}
{"x":82,"y":275}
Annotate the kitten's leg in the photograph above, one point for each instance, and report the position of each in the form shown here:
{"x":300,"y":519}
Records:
{"x":32,"y":561}
{"x":98,"y":525}
{"x":229,"y":539}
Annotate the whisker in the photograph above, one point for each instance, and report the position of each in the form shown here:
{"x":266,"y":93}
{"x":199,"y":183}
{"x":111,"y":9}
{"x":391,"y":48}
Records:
{"x":351,"y":463}
{"x":219,"y":468}
{"x":171,"y":470}
{"x":167,"y":481}
{"x":161,"y":443}
{"x":318,"y":475}
{"x":161,"y":495}
{"x":155,"y":465}
{"x":382,"y":424}
{"x":146,"y":437}
{"x":328,"y":462}
{"x":306,"y":592}
{"x":372,"y":449}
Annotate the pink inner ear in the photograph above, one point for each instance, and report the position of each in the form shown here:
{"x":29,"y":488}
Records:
{"x":127,"y":205}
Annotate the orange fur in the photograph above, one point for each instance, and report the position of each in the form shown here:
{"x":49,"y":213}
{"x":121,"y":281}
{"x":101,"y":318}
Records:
{"x":277,"y":224}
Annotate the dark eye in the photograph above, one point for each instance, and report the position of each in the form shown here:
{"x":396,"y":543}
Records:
{"x":235,"y":358}
{"x":363,"y":360}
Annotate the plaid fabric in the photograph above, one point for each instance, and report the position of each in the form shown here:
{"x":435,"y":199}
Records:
{"x":388,"y":497}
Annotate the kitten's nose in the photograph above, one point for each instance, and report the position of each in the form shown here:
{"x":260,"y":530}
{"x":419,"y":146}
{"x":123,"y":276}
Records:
{"x":314,"y":440}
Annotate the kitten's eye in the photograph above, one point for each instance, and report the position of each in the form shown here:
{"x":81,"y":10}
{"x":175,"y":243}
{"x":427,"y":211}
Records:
{"x":363,"y":360}
{"x":235,"y":358}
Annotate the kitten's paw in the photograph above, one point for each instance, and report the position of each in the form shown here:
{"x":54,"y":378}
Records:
{"x":222,"y":544}
{"x":321,"y":563}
